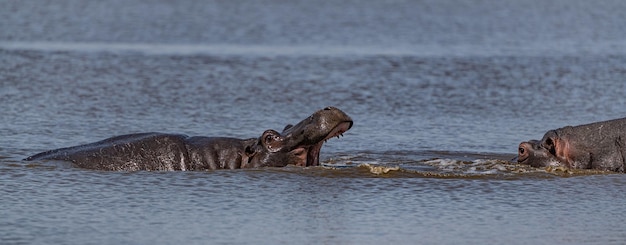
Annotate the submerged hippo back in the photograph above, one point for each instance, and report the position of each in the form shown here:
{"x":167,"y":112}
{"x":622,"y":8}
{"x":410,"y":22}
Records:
{"x":145,"y":151}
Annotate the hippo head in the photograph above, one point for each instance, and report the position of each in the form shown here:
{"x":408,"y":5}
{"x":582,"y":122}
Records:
{"x":299,"y":145}
{"x":552,"y":150}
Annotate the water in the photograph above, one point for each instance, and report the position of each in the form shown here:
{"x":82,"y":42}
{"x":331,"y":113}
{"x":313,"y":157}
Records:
{"x":441,"y":93}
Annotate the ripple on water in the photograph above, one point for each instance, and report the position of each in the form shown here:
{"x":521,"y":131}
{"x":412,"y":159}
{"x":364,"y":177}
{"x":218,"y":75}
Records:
{"x":487,"y":167}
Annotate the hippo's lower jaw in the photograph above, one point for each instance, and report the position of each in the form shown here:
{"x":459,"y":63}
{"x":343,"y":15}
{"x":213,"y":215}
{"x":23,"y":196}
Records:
{"x":310,"y":155}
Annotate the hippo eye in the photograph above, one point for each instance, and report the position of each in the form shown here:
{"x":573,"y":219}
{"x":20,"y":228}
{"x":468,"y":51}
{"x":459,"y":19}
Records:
{"x":328,"y":108}
{"x":521,"y":151}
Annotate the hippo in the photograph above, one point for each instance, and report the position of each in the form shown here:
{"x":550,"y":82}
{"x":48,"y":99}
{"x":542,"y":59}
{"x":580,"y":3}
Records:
{"x":298,"y":145}
{"x":599,"y":145}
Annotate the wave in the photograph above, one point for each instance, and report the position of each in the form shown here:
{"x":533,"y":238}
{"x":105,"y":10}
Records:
{"x":551,"y":48}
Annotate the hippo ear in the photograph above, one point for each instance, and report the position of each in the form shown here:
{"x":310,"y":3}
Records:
{"x":251,"y":146}
{"x":549,"y":142}
{"x":287,"y":127}
{"x":272,"y":141}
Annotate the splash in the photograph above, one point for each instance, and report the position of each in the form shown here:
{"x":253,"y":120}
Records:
{"x":478,"y":167}
{"x":392,"y":166}
{"x":377,"y":169}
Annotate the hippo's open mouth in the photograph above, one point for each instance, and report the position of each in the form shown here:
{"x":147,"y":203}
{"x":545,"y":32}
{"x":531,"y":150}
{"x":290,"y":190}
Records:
{"x":309,"y":155}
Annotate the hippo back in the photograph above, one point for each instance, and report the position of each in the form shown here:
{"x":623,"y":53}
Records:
{"x":144,"y":151}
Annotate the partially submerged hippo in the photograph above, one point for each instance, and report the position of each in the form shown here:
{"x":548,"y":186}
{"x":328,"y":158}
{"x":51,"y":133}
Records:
{"x":298,"y":145}
{"x":598,"y":145}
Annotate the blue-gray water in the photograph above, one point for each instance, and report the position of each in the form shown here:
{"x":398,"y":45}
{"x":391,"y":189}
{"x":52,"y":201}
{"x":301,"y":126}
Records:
{"x":441,"y":93}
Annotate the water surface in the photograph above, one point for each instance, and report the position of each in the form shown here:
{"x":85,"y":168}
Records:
{"x":441,"y":93}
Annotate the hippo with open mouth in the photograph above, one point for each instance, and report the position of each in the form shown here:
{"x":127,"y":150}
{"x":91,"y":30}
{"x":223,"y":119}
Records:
{"x":599,"y":145}
{"x":298,"y":145}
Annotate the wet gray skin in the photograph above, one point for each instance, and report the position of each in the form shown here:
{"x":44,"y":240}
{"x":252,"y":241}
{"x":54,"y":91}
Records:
{"x":297,"y":145}
{"x":598,"y":145}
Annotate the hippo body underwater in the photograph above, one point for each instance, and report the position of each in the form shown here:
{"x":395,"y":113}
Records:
{"x":298,"y":145}
{"x":600,"y":145}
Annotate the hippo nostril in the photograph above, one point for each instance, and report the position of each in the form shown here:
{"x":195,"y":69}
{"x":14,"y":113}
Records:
{"x":328,"y":108}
